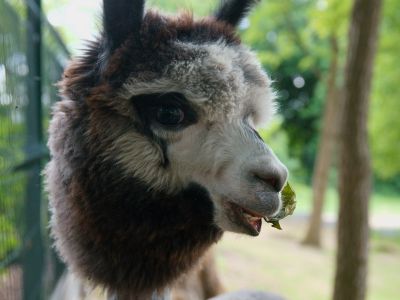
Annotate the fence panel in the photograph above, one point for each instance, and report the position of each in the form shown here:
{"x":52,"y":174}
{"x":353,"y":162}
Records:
{"x":32,"y":56}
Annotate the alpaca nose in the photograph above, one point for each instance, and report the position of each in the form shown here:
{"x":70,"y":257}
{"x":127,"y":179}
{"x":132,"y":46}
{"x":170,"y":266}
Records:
{"x":274,"y":178}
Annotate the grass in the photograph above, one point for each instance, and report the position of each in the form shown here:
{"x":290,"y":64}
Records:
{"x":388,"y":242}
{"x":380,"y":203}
{"x":277,"y":262}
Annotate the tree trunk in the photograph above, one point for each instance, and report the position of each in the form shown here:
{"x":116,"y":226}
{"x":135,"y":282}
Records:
{"x":354,"y":168}
{"x":326,"y":145}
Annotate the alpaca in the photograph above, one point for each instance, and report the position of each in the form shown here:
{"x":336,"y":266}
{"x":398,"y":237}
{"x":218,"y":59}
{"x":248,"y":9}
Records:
{"x":154,"y":151}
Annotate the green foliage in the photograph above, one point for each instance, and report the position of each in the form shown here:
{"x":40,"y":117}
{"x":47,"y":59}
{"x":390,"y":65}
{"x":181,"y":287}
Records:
{"x":13,"y":116}
{"x":384,"y":125}
{"x":291,"y":38}
{"x":288,"y":206}
{"x":199,"y":8}
{"x":331,"y":18}
{"x":13,"y":70}
{"x":289,"y":49}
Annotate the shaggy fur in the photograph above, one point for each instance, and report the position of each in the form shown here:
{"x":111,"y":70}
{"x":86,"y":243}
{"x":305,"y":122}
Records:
{"x":103,"y":221}
{"x":135,"y":205}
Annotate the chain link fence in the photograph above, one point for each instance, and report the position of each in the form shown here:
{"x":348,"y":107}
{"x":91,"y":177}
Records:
{"x":32,"y":57}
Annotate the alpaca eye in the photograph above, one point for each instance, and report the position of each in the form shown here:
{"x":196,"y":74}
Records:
{"x":169,"y":115}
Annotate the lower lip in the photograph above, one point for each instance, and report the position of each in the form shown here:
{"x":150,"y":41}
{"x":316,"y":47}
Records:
{"x":256,"y":225}
{"x":253,"y":227}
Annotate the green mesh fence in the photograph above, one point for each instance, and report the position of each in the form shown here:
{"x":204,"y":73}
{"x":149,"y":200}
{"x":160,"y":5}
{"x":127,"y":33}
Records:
{"x":31,"y":61}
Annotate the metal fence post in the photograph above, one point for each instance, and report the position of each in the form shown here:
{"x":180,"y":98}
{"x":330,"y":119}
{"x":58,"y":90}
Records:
{"x":33,"y":258}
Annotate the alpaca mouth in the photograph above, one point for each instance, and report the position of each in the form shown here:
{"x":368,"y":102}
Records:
{"x":250,"y":220}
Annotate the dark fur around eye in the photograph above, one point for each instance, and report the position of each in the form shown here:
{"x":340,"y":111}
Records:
{"x":153,"y":108}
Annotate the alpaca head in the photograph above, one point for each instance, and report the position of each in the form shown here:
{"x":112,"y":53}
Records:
{"x":154,"y":146}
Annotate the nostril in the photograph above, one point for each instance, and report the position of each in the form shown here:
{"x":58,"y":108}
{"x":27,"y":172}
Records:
{"x":272,"y":180}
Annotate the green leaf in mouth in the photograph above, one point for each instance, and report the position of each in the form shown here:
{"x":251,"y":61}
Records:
{"x":288,"y":206}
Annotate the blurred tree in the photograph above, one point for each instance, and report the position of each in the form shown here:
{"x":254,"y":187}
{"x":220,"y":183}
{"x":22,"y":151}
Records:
{"x":330,"y":22}
{"x":328,"y":139}
{"x":355,"y":173}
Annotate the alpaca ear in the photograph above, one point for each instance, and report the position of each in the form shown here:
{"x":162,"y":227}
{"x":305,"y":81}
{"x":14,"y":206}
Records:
{"x":120,"y":19}
{"x":233,"y":11}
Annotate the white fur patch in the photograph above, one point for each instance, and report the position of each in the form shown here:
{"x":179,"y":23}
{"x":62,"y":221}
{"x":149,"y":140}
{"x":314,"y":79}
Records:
{"x":142,"y":158}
